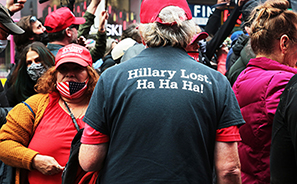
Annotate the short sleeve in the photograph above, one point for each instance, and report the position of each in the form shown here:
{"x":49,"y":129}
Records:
{"x":96,"y":112}
{"x":230,"y":113}
{"x":92,"y":136}
{"x":229,"y":134}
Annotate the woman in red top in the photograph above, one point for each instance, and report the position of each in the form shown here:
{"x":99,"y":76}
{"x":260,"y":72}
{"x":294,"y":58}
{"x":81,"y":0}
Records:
{"x":67,"y":89}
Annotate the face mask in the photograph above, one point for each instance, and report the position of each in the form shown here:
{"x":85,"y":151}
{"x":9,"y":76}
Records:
{"x":3,"y":44}
{"x":35,"y":71}
{"x":43,"y":37}
{"x":72,"y":90}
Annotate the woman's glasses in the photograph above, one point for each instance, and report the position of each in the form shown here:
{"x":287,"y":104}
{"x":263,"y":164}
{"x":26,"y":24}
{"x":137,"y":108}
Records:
{"x":33,"y":19}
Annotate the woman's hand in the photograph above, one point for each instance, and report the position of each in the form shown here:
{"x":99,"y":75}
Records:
{"x":46,"y":165}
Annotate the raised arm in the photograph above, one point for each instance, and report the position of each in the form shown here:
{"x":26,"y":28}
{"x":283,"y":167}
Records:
{"x":14,"y":7}
{"x":98,"y":51}
{"x":84,"y":29}
{"x":224,"y":30}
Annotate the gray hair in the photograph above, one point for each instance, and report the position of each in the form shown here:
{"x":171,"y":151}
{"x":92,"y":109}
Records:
{"x":177,"y":35}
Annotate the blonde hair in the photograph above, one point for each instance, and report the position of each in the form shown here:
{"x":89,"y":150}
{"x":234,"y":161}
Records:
{"x":174,"y":31}
{"x":271,"y":20}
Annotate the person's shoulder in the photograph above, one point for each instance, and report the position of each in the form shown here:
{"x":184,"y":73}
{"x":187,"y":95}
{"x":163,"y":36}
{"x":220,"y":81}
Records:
{"x":37,"y":101}
{"x":293,"y":81}
{"x":132,"y":52}
{"x":53,"y":47}
{"x":37,"y":97}
{"x":280,"y":77}
{"x":151,"y":56}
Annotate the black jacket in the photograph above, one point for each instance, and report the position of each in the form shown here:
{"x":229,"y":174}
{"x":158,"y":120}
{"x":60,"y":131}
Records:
{"x":245,"y":55}
{"x":4,"y":106}
{"x":237,"y":47}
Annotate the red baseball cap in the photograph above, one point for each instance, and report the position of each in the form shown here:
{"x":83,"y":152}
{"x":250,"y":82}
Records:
{"x":74,"y":53}
{"x":199,"y":36}
{"x":150,"y":9}
{"x":61,"y":19}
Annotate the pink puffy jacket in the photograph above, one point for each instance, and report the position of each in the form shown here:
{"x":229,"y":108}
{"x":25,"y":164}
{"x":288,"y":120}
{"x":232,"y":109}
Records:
{"x":258,"y":89}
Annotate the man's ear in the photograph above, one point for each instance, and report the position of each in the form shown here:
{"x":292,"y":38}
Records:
{"x":68,"y":32}
{"x":31,"y":38}
{"x":284,"y":43}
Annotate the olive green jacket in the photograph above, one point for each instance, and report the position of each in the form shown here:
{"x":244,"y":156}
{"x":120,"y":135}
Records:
{"x":98,"y":51}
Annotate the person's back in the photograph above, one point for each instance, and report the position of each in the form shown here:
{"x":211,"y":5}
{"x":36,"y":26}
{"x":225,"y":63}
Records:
{"x":165,"y":115}
{"x":162,"y":112}
{"x":259,"y":86}
{"x":283,"y":157}
{"x":237,"y":48}
{"x":240,"y":64}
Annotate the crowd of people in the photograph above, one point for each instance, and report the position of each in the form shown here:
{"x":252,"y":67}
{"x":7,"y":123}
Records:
{"x":169,"y":102}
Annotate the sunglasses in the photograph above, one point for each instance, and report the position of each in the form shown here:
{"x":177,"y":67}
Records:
{"x":33,"y":19}
{"x":74,"y":26}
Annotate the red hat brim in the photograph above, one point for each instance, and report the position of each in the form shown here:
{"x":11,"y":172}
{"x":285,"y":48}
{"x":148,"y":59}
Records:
{"x":79,"y":20}
{"x":72,"y":60}
{"x":199,"y":36}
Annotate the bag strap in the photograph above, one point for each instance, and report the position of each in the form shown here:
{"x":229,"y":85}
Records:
{"x":72,"y":117}
{"x":29,"y":108}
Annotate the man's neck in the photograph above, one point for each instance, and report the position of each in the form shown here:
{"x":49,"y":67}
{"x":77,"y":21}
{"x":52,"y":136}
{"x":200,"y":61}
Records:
{"x":58,"y":43}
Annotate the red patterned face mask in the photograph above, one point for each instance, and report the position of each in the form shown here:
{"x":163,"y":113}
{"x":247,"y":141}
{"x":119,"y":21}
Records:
{"x":72,"y":90}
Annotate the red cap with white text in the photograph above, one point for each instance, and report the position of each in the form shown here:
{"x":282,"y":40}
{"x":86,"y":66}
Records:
{"x":74,"y":53}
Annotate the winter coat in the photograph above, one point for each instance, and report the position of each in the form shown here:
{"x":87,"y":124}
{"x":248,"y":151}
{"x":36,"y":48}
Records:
{"x":258,"y":89}
{"x":21,"y":129}
{"x":237,"y":48}
{"x":245,"y":55}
